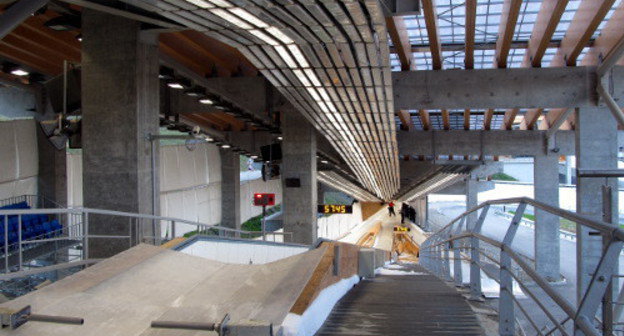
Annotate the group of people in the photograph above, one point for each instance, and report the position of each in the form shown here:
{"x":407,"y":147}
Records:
{"x":407,"y":211}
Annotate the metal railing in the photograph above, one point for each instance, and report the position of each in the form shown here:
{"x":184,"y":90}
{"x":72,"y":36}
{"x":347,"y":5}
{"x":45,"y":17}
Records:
{"x":84,"y":226}
{"x":596,"y":313}
{"x":34,"y":201}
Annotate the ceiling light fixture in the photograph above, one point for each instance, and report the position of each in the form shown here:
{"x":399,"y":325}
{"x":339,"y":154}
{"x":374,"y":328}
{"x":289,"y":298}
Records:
{"x":19,"y":72}
{"x":225,"y":146}
{"x":64,"y":23}
{"x":206,"y":101}
{"x":195,"y":91}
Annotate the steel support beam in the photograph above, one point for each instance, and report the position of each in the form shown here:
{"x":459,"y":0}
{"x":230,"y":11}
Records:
{"x":502,"y":88}
{"x":18,"y":13}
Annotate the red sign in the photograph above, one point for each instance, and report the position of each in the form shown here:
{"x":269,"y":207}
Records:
{"x":262,"y":199}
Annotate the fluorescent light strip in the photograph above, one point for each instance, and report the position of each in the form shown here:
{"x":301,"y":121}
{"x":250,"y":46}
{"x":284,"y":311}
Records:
{"x":312,"y":75}
{"x":200,"y":3}
{"x":221,"y":3}
{"x":279,"y":34}
{"x":302,"y":77}
{"x":264,"y":37}
{"x":245,"y":15}
{"x":294,"y":49}
{"x":290,"y":62}
{"x":230,"y":18}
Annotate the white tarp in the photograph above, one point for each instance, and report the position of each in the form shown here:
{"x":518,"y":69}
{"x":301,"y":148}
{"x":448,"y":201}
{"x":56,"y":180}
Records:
{"x":18,"y":158}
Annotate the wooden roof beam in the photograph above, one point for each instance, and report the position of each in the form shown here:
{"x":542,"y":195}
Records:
{"x":530,"y":119}
{"x":547,"y":20}
{"x":510,"y":117}
{"x":487,"y":119}
{"x":424,"y":118}
{"x":506,"y":29}
{"x":446,"y":120}
{"x":609,"y":37}
{"x":471,"y":18}
{"x":431,"y":20}
{"x":584,"y":23}
{"x":406,"y":120}
{"x":400,"y":40}
{"x":466,"y":119}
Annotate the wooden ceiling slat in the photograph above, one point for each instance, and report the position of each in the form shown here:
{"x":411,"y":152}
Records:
{"x":506,"y":29}
{"x":400,"y":40}
{"x":583,"y":25}
{"x":546,"y":22}
{"x":28,"y":59}
{"x":431,"y":19}
{"x":51,"y":57}
{"x":222,"y":52}
{"x":188,"y":52}
{"x":224,"y":70}
{"x":44,"y":41}
{"x":191,"y":64}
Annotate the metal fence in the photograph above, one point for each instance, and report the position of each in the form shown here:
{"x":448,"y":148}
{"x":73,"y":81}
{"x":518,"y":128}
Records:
{"x":82,"y":226}
{"x":596,"y":313}
{"x":34,"y":201}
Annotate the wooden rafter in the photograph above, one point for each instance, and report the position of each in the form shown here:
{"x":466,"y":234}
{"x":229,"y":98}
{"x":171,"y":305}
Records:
{"x":546,"y":22}
{"x":552,"y":116}
{"x":530,"y":118}
{"x":222,"y":68}
{"x":506,"y":29}
{"x":29,"y":59}
{"x":446,"y":122}
{"x":401,"y":42}
{"x":471,"y":19}
{"x":406,"y":119}
{"x":424,"y":118}
{"x":487,"y":119}
{"x":610,"y":35}
{"x":583,"y":25}
{"x":431,"y":19}
{"x":510,"y":117}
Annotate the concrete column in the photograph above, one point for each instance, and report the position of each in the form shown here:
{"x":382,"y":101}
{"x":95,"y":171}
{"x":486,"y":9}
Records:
{"x":230,"y":189}
{"x":472,"y":200}
{"x":52,"y":177}
{"x":596,"y":148}
{"x":299,"y":178}
{"x":120,"y":100}
{"x":546,"y":190}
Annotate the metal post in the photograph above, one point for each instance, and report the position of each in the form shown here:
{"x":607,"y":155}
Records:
{"x":506,"y":314}
{"x":457,"y":263}
{"x":86,"y":235}
{"x":6,"y":244}
{"x":475,"y":271}
{"x":607,"y":306}
{"x":173,"y":229}
{"x":19,"y":240}
{"x":264,"y":222}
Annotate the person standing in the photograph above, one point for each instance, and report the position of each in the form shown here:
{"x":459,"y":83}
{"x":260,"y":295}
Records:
{"x":404,"y":212}
{"x":391,"y":209}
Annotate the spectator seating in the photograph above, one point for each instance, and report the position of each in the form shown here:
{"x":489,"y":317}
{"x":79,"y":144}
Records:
{"x":34,"y":225}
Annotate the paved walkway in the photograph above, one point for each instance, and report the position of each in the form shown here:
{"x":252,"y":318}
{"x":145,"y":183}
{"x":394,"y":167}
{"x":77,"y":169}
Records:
{"x":410,"y":304}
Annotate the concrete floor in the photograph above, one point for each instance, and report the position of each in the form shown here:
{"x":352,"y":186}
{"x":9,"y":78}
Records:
{"x":122,"y":295}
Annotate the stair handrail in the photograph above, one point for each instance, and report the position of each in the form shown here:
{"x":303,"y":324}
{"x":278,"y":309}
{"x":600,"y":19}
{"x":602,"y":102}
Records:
{"x":435,"y":256}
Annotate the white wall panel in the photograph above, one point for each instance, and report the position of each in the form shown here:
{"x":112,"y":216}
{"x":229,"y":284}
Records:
{"x":18,"y":158}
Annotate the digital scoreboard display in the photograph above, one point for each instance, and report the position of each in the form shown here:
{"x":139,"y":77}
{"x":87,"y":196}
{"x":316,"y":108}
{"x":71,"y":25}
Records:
{"x":335,"y":209}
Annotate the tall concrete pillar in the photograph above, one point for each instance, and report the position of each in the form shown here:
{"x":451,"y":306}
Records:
{"x":120,"y":104}
{"x":472,"y":200}
{"x":568,"y":170}
{"x":52,"y":177}
{"x":546,"y":190}
{"x":299,"y":178}
{"x":230,"y":189}
{"x":596,"y":148}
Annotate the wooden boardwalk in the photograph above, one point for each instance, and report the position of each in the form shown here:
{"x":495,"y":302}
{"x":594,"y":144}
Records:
{"x":390,"y":305}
